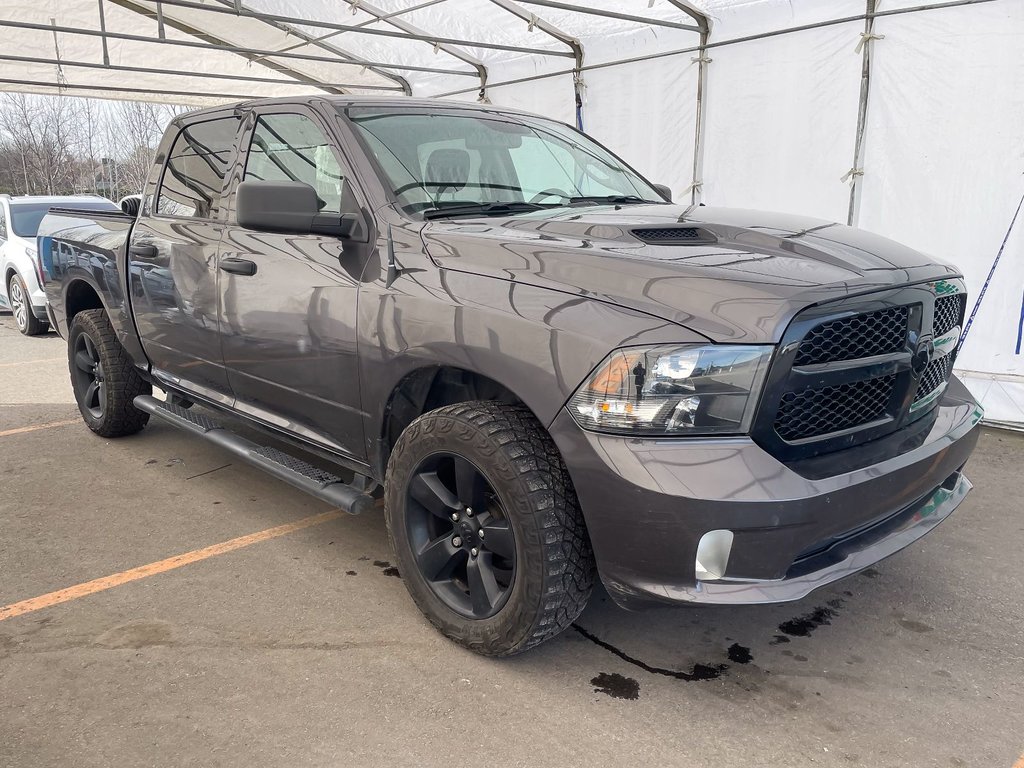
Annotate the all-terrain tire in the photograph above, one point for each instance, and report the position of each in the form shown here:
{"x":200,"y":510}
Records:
{"x":117,"y":415}
{"x":554,"y":560}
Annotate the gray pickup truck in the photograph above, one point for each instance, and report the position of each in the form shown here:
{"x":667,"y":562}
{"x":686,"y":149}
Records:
{"x":548,"y":370}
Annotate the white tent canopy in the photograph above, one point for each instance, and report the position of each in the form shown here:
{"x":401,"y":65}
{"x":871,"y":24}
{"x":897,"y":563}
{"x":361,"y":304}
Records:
{"x":900,"y":116}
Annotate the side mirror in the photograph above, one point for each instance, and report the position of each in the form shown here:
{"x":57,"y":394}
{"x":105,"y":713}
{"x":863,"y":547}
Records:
{"x":289,"y":206}
{"x":276,"y":206}
{"x":664,"y":191}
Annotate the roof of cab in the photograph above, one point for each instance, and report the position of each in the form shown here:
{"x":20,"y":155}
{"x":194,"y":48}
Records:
{"x":386,"y":102}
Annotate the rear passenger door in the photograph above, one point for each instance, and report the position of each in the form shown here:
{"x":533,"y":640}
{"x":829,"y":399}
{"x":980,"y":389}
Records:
{"x":173,"y":272}
{"x":289,"y":330}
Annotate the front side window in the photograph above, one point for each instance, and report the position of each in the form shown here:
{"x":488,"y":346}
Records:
{"x":444,"y":160}
{"x":289,"y":147}
{"x":199,"y":160}
{"x":3,"y":224}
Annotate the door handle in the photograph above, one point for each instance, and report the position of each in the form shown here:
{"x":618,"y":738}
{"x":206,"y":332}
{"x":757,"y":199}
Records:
{"x":143,"y":250}
{"x":238,"y":266}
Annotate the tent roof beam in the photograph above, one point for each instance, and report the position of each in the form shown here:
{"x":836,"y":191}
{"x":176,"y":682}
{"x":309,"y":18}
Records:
{"x":414,"y":32}
{"x":177,"y":72}
{"x":611,"y":14}
{"x":374,"y":20}
{"x":39,"y":86}
{"x":549,"y":29}
{"x":284,"y":69}
{"x":241,"y":50}
{"x":401,"y":33}
{"x":308,"y":39}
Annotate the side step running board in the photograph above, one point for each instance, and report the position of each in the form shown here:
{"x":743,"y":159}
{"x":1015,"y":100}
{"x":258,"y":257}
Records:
{"x":281,"y":465}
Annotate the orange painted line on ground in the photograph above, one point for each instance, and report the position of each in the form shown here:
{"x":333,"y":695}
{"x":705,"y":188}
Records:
{"x":50,"y":425}
{"x":161,"y":566}
{"x":1019,"y":763}
{"x":29,"y":362}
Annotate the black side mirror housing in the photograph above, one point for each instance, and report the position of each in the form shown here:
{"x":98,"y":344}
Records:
{"x":290,"y":206}
{"x":664,"y":190}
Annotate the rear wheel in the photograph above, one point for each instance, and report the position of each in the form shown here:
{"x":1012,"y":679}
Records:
{"x":103,"y":377}
{"x":21,"y":306}
{"x":486,"y":527}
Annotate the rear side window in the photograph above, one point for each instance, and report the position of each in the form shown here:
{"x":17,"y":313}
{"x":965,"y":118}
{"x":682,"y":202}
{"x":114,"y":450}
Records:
{"x":3,"y":224}
{"x":290,"y":147}
{"x":194,"y":176}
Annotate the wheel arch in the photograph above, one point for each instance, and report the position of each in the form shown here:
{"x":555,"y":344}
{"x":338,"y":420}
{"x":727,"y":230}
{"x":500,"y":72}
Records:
{"x":79,"y":295}
{"x":427,"y":388}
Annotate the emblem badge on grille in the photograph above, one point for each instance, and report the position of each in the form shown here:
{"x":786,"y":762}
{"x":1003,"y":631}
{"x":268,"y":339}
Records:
{"x":924,"y":354}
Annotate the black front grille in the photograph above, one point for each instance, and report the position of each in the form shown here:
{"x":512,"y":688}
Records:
{"x":937,"y":373}
{"x":813,"y":412}
{"x":673,"y":235}
{"x":949,"y":310}
{"x":849,"y":338}
{"x":844,"y":372}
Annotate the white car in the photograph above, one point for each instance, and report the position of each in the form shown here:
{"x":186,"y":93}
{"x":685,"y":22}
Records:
{"x":20,"y":288}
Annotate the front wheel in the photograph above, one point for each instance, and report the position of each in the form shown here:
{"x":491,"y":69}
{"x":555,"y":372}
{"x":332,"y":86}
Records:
{"x":21,"y":306}
{"x":103,"y":377}
{"x":486,"y":527}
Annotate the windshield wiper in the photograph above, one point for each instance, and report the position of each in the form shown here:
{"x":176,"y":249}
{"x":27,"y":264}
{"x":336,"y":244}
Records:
{"x":611,"y":199}
{"x":481,"y":209}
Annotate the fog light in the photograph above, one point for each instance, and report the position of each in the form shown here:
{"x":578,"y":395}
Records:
{"x":713,"y":554}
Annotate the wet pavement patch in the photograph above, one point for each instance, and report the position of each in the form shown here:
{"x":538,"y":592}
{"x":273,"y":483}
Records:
{"x":617,"y":686}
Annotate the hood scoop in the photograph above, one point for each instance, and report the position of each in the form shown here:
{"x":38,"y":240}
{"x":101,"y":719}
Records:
{"x":673,"y":235}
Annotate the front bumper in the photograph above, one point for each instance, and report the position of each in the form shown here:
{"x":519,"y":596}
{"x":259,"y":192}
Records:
{"x":795,"y":527}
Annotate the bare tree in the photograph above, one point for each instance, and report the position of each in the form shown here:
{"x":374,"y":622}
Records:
{"x":135,"y":129}
{"x":64,"y":145}
{"x":45,"y":133}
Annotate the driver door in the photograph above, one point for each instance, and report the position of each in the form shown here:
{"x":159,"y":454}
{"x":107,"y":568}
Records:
{"x":289,"y":328}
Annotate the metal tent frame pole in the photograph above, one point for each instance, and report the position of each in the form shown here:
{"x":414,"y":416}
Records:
{"x":98,"y":89}
{"x":259,"y":53}
{"x":857,"y":169}
{"x":611,"y":14}
{"x":183,"y":73}
{"x":732,"y":41}
{"x":418,"y":34}
{"x":411,"y":31}
{"x":535,"y":22}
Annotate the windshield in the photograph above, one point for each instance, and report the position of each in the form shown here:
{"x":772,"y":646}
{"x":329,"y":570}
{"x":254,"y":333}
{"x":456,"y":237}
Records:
{"x":25,"y":217}
{"x":445,"y":161}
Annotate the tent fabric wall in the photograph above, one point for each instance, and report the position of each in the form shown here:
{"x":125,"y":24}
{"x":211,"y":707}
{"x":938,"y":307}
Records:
{"x":942,"y":154}
{"x":943,"y":165}
{"x":781,"y":122}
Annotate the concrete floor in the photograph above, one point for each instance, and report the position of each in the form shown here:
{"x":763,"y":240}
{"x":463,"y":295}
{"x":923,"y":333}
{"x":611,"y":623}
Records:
{"x":303,"y":651}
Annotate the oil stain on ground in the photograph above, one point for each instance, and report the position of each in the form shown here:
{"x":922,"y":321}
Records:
{"x":617,"y":686}
{"x":387,"y":568}
{"x":739,"y":654}
{"x":699,"y":671}
{"x":802,"y":626}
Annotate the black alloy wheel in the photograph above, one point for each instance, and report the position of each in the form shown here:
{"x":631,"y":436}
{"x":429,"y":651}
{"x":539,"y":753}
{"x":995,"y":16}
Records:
{"x":88,"y":378}
{"x":104,"y":378}
{"x":460,"y":537}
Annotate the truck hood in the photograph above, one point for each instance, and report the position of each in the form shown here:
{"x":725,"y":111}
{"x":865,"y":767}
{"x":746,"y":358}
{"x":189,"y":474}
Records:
{"x":741,"y":277}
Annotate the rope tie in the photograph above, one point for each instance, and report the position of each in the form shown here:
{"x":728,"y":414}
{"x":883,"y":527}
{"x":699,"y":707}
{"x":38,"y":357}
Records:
{"x":865,"y":38}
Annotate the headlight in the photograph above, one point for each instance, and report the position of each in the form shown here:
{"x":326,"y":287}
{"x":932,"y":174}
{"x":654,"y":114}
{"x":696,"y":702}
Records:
{"x":673,"y":390}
